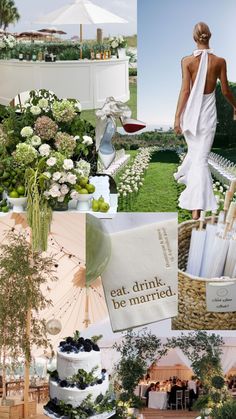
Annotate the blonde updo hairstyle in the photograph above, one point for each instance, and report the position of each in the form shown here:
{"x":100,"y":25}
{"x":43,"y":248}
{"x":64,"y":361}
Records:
{"x":201,"y":33}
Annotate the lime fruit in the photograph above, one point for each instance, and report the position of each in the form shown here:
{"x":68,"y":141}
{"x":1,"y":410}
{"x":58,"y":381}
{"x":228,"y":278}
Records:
{"x":83,"y":181}
{"x":5,"y":175}
{"x":90,"y":188}
{"x":14,"y":194}
{"x":1,"y":189}
{"x":83,"y":191}
{"x":5,"y":209}
{"x":21,"y":190}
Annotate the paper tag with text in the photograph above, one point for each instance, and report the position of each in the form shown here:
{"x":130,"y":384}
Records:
{"x":221,"y":297}
{"x":140,"y":281}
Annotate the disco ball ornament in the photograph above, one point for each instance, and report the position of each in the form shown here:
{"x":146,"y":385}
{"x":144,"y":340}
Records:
{"x":98,"y":248}
{"x":53,"y":326}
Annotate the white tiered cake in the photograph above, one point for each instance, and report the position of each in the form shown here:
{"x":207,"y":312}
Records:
{"x":79,"y":383}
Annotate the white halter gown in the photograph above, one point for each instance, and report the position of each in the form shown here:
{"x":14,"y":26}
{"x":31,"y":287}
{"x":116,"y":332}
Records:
{"x":198,"y":123}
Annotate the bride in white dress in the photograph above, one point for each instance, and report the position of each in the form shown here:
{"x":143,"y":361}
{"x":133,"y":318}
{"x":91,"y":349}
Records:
{"x":196,"y":118}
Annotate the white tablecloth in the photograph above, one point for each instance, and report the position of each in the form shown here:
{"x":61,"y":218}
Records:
{"x":157,"y":400}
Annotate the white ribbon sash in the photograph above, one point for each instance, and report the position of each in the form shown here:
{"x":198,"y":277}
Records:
{"x":192,"y":110}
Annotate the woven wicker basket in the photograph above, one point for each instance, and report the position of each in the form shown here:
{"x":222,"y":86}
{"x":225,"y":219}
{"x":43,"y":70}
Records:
{"x":192,"y":311}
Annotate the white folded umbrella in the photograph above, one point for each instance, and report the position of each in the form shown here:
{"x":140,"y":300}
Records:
{"x":196,"y":248}
{"x":230,"y":263}
{"x":211,"y":231}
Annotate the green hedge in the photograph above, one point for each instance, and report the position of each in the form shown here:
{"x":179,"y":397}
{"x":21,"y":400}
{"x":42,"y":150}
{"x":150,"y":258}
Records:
{"x":226,"y":125}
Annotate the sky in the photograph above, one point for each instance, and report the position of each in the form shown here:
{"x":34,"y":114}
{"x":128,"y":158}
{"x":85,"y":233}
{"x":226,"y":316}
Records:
{"x":31,"y":10}
{"x":164,"y":37}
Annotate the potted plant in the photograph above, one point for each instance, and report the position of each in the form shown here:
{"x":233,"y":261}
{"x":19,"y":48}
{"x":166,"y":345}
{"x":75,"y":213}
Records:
{"x":22,"y":273}
{"x":118,"y":46}
{"x":138,"y":351}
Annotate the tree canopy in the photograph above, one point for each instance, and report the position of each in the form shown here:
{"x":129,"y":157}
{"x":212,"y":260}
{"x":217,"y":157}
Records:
{"x":8,"y":13}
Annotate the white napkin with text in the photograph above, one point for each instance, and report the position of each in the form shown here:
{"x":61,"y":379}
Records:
{"x":141,"y":279}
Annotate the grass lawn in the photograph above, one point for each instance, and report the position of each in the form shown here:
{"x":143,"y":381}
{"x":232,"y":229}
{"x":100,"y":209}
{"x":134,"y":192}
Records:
{"x":90,"y":114}
{"x":229,"y":153}
{"x":160,"y":192}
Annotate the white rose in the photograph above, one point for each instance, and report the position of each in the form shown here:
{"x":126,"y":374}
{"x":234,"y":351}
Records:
{"x":87,"y":140}
{"x":54,"y":191}
{"x":56,"y":176}
{"x":61,"y":198}
{"x":68,"y":164}
{"x":64,"y":189}
{"x":35,"y":140}
{"x":51,"y":162}
{"x":74,"y":195}
{"x":35,"y":110}
{"x":44,"y":150}
{"x":71,"y":178}
{"x":26,"y":132}
{"x":77,"y":137}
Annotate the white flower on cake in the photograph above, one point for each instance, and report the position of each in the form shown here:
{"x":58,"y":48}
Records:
{"x":26,"y":132}
{"x":35,"y":141}
{"x":35,"y":110}
{"x":44,"y":150}
{"x":68,"y":164}
{"x":87,"y":140}
{"x":51,"y":161}
{"x":56,"y":176}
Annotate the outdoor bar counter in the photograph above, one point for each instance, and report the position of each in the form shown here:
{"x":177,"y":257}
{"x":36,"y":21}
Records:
{"x":89,"y":81}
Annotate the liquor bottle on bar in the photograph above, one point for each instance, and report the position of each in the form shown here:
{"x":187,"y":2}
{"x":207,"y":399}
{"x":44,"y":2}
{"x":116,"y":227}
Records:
{"x":34,"y":56}
{"x":40,"y":55}
{"x":92,"y":54}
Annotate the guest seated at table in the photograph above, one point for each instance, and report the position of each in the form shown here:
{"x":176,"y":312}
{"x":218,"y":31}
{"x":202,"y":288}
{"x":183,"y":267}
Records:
{"x":152,"y":387}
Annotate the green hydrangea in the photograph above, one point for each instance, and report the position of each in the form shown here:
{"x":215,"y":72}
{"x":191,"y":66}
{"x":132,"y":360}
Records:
{"x":24,"y":154}
{"x":63,"y":111}
{"x":65,"y":143}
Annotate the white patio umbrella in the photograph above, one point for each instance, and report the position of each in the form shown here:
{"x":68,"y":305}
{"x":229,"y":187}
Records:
{"x":196,"y":248}
{"x":82,"y":12}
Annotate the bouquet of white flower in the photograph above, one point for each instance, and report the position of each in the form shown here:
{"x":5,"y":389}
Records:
{"x":117,"y":42}
{"x":7,"y":42}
